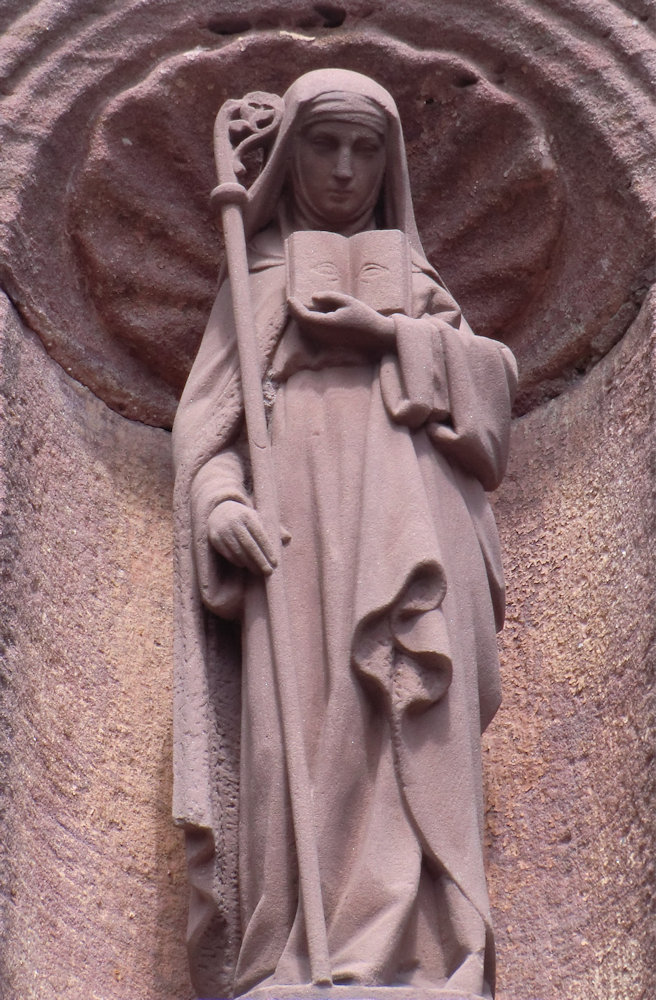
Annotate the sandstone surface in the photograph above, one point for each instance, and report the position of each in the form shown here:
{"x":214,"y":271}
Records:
{"x":531,"y":130}
{"x":92,"y":897}
{"x":536,"y":197}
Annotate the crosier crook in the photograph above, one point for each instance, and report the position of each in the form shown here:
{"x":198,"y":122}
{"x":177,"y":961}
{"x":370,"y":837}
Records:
{"x":251,"y":121}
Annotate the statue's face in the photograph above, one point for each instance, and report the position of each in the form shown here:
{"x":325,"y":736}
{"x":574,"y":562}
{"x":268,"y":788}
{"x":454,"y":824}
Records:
{"x":341,"y":167}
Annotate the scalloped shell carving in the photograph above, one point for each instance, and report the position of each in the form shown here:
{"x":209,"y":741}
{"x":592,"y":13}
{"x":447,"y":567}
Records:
{"x":530,"y":142}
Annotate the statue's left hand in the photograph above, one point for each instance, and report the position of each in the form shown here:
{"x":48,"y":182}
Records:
{"x":340,"y":320}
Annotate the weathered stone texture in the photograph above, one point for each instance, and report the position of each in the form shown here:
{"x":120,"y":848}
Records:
{"x":571,"y":771}
{"x":532,"y":142}
{"x":93,"y":895}
{"x":537,"y":200}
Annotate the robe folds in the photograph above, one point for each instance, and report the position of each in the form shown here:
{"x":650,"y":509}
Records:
{"x":395,"y":591}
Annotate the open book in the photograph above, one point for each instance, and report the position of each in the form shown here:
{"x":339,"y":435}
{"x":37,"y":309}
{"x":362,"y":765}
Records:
{"x":373,"y":266}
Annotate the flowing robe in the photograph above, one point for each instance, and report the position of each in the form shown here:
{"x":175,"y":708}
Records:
{"x":394,"y":583}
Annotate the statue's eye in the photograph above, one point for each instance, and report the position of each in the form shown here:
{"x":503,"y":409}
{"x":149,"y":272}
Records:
{"x":323,"y":143}
{"x":367,"y":149}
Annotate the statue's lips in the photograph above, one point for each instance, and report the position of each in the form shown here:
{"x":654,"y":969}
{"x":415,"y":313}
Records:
{"x":340,"y":193}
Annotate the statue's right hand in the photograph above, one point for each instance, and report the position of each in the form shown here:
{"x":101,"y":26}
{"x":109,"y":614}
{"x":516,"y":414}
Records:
{"x":237,"y":533}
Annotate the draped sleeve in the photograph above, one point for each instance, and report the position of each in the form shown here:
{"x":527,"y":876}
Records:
{"x":222,"y":478}
{"x":459,"y":386}
{"x":209,"y":447}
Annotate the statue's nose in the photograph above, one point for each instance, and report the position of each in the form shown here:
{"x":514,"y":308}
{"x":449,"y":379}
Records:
{"x":344,"y":164}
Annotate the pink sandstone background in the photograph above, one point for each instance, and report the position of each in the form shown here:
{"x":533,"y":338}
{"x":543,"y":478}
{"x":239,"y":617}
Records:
{"x":531,"y":130}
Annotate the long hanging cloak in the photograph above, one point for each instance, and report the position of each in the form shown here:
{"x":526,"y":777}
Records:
{"x":396,"y":588}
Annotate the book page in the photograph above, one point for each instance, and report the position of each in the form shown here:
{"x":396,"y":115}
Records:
{"x":373,"y":266}
{"x":381,"y":270}
{"x":317,"y":261}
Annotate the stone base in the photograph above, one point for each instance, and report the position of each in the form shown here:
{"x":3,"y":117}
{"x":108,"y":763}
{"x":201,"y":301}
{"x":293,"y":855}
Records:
{"x":354,"y":992}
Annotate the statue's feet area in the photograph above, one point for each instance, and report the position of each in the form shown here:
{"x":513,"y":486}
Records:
{"x":355,"y":992}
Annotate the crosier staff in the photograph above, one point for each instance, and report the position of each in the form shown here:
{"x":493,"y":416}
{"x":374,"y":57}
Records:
{"x":251,"y":121}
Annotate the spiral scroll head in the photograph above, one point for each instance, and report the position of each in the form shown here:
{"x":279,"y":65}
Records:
{"x":241,"y":126}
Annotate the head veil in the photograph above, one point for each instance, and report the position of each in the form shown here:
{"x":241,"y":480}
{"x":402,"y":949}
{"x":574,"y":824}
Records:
{"x":309,"y":89}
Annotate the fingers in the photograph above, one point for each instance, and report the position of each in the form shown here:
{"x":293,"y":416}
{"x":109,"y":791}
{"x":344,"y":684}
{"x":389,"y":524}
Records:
{"x":247,"y":548}
{"x":262,"y":541}
{"x":325,"y":302}
{"x":298,"y":310}
{"x":331,"y":301}
{"x":239,"y":536}
{"x":237,"y":545}
{"x":311,"y":319}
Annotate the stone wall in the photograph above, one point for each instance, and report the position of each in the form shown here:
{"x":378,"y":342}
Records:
{"x":93,"y":887}
{"x":571,"y":753}
{"x":531,"y":132}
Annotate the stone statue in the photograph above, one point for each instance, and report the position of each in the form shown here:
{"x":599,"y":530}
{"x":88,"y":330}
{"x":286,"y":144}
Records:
{"x":360,"y":809}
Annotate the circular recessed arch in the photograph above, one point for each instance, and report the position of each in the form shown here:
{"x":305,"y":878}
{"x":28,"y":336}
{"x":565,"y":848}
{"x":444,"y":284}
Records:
{"x":531,"y":139}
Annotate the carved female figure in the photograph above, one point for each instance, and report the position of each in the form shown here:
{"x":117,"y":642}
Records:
{"x":386,"y":427}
